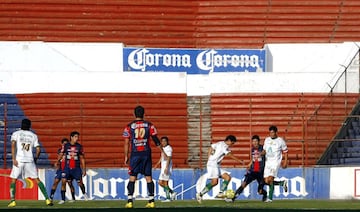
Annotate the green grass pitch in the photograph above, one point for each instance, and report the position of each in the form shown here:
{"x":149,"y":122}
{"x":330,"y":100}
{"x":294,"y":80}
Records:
{"x":193,"y":205}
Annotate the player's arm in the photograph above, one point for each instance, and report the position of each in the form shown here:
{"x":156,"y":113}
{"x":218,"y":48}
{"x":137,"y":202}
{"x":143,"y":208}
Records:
{"x":126,"y":151}
{"x":156,"y":140}
{"x":242,"y":162}
{"x":37,"y":154}
{"x":13,"y":152}
{"x":83,"y":164}
{"x":285,"y":163}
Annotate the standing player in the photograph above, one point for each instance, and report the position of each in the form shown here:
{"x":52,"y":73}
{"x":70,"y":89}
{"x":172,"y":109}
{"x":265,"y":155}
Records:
{"x":23,"y":142}
{"x":75,"y":167}
{"x":60,"y":164}
{"x":137,"y":136}
{"x":166,"y":168}
{"x":255,"y":169}
{"x":274,"y":147}
{"x":216,"y":154}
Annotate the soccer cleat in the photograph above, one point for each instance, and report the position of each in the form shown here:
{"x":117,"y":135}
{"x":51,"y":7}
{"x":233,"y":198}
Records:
{"x":198,"y":197}
{"x":71,"y":201}
{"x":86,"y":198}
{"x":173,"y":196}
{"x":49,"y":202}
{"x":12,"y":204}
{"x":150,"y":205}
{"x":264,"y":196}
{"x":61,"y":202}
{"x":220,"y":195}
{"x":129,"y":205}
{"x":285,"y":186}
{"x":167,"y":200}
{"x":268,"y":200}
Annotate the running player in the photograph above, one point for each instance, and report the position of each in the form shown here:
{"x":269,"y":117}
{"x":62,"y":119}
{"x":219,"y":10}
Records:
{"x":255,"y":169}
{"x":216,"y":154}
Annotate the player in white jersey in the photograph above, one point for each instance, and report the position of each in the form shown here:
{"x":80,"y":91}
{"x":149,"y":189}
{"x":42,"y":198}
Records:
{"x":166,"y":168}
{"x":216,"y":154}
{"x":23,"y":142}
{"x":274,"y":147}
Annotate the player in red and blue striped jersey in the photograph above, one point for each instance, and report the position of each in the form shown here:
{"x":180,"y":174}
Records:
{"x":137,"y":136}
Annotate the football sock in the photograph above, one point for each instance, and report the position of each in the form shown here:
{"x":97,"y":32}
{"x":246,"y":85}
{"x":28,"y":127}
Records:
{"x":63,"y":194}
{"x":271,"y":191}
{"x":43,"y":190}
{"x":279,"y":183}
{"x":207,"y":188}
{"x":151,"y":188}
{"x":52,"y":192}
{"x":12,"y":191}
{"x":130,"y":188}
{"x":167,"y":191}
{"x":82,"y":187}
{"x":224,"y":186}
{"x":239,"y":190}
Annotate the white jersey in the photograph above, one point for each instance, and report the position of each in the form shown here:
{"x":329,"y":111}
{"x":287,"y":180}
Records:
{"x":168,"y":151}
{"x":274,"y":149}
{"x":26,"y":141}
{"x":220,"y":149}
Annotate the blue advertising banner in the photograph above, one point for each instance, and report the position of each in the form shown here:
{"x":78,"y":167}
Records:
{"x":110,"y":184}
{"x":193,"y":61}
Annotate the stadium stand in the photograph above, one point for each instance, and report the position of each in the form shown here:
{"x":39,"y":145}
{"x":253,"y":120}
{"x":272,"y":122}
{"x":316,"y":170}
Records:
{"x":182,"y":24}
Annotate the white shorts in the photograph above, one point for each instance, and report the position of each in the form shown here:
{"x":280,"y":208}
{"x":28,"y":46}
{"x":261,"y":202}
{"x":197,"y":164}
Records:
{"x":163,"y":176}
{"x":24,"y":170}
{"x":214,"y":172}
{"x":271,"y":169}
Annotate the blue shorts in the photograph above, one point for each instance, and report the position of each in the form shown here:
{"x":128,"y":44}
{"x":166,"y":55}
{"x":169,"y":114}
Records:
{"x":70,"y":174}
{"x":58,"y":174}
{"x":140,"y":164}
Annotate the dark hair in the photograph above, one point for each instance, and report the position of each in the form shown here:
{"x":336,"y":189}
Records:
{"x":73,"y":133}
{"x":255,"y":137}
{"x":166,"y":139}
{"x":64,"y":140}
{"x":232,"y":138}
{"x":139,"y":112}
{"x":273,"y":128}
{"x":25,"y":124}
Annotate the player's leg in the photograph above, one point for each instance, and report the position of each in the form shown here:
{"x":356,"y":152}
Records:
{"x":76,"y":174}
{"x":248,"y":179}
{"x":31,"y":172}
{"x":15,"y":173}
{"x":72,"y":189}
{"x":226,"y":179}
{"x":57,"y":179}
{"x":282,"y":183}
{"x":213,"y":174}
{"x":261,"y":184}
{"x":147,"y":164}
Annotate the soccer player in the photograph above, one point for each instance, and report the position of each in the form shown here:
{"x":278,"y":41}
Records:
{"x":275,"y":147}
{"x":60,"y":164}
{"x":23,"y":142}
{"x":166,"y":168}
{"x":137,"y":136}
{"x":255,"y":169}
{"x":216,"y":154}
{"x":75,"y":166}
